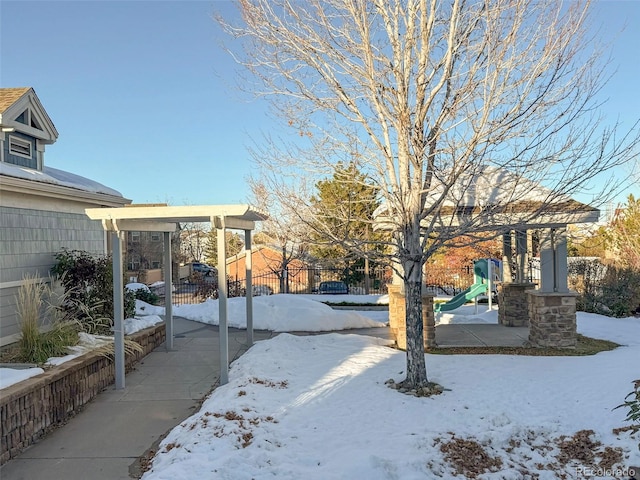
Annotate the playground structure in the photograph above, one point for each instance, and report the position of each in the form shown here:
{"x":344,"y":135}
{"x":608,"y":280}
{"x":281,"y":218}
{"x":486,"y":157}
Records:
{"x":486,"y":272}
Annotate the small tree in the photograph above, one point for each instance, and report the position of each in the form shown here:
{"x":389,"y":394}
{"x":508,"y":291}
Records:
{"x":194,"y":240}
{"x":282,"y":232}
{"x":624,"y":234}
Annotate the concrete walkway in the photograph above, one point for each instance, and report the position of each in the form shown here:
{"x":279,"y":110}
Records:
{"x":107,"y":439}
{"x":480,"y":335}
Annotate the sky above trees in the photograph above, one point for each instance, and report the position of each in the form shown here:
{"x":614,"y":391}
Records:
{"x":145,"y":100}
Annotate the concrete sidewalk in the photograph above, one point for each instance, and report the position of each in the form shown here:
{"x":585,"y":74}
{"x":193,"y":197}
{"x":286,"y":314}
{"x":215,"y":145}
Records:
{"x":107,"y":438}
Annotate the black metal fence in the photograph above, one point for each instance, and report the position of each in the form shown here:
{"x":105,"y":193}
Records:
{"x":298,"y":281}
{"x":447,"y":280}
{"x":438,"y":280}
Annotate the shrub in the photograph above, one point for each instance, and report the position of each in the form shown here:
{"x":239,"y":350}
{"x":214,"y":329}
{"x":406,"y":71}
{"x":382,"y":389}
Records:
{"x":632,"y":402}
{"x":88,"y":283}
{"x":621,"y":291}
{"x":605,"y":289}
{"x":34,"y":309}
{"x":146,"y":296}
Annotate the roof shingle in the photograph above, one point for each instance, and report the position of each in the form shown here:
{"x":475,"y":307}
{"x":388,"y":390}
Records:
{"x":9,"y":96}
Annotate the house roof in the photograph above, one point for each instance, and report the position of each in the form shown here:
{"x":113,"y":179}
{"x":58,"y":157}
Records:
{"x":9,"y":96}
{"x":491,"y":198}
{"x":14,"y":101}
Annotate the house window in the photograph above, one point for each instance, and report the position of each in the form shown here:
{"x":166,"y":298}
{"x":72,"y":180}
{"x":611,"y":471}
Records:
{"x":135,"y":237}
{"x":155,"y":264}
{"x":22,"y":118}
{"x":155,"y":237}
{"x":20,"y":147}
{"x":134,"y":262}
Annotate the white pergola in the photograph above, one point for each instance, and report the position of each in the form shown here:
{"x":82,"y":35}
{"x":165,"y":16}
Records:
{"x":165,"y":219}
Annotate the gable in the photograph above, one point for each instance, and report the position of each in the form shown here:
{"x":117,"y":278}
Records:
{"x":21,"y":111}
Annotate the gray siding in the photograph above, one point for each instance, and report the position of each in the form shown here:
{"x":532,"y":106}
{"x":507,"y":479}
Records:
{"x":17,"y":159}
{"x":29,"y":239}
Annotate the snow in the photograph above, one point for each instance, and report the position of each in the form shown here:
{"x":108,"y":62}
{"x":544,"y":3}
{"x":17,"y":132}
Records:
{"x":55,"y":176}
{"x":10,"y":376}
{"x":278,"y":313}
{"x":318,"y":406}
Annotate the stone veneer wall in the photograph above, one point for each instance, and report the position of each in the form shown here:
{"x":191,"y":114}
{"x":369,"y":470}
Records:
{"x":513,"y":304}
{"x":552,"y":319}
{"x":33,"y":407}
{"x":397,"y":312}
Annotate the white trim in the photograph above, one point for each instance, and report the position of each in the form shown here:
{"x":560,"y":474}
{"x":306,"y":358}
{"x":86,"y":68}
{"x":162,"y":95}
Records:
{"x":41,"y":189}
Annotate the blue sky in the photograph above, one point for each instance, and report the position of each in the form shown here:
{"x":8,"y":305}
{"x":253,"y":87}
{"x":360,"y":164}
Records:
{"x":145,"y":101}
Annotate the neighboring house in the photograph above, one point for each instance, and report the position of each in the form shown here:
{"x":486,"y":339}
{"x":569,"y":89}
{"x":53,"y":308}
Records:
{"x":266,"y":269}
{"x":144,"y":256}
{"x":41,"y":208}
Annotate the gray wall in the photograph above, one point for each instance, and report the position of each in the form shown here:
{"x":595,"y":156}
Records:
{"x":16,"y":159}
{"x":29,"y":239}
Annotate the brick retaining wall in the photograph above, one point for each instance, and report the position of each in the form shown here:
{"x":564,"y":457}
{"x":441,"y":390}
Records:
{"x":33,"y":407}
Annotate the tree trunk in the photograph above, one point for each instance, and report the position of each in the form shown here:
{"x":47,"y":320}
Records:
{"x":416,"y":365}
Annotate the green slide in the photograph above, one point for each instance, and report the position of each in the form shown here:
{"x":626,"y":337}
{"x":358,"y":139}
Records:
{"x":463,"y":297}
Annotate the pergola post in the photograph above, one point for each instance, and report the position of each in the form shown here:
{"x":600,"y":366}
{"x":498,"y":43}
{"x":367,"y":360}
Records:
{"x":168,"y":293}
{"x":521,"y":256}
{"x":222,"y":298}
{"x":249,"y":285}
{"x":507,"y":255}
{"x":118,"y":309}
{"x":553,"y":260}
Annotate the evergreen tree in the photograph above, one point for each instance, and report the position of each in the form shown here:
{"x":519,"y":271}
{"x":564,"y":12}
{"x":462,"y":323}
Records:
{"x":235,"y":244}
{"x":344,"y":206}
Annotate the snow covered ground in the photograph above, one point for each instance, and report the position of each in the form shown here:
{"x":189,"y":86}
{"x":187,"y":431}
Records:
{"x":318,"y":407}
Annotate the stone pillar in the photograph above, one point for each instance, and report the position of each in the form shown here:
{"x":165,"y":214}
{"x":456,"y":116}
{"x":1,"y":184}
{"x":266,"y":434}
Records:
{"x":552,"y":319}
{"x":397,"y":316}
{"x":513,"y":304}
{"x":428,"y":322}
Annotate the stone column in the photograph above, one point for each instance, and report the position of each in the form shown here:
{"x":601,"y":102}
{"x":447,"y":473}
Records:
{"x":397,"y":314}
{"x":397,"y":318}
{"x":552,"y":319}
{"x":513,"y":304}
{"x":428,"y":322}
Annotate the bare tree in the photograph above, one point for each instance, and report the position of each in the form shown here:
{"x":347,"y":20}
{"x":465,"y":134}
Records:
{"x":193,"y":241}
{"x":282,"y":231}
{"x":445,"y":101}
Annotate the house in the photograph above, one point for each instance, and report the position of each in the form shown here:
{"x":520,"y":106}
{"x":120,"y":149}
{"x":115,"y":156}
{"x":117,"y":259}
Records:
{"x":267,"y":270}
{"x":42,"y":209}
